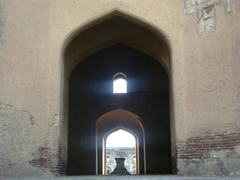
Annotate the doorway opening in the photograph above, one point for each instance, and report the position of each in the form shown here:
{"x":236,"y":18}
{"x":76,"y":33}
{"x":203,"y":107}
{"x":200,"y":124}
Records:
{"x":128,"y":126}
{"x":120,"y":143}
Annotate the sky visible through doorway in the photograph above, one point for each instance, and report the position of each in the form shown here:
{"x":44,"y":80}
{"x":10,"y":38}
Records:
{"x":121,"y":139}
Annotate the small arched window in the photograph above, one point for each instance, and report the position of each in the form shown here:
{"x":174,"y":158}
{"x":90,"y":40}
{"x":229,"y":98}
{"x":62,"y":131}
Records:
{"x":119,"y":83}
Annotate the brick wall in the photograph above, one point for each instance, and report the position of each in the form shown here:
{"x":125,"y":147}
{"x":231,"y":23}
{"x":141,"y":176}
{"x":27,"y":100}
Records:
{"x":210,"y":153}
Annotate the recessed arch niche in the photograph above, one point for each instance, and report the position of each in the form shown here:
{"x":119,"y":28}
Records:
{"x":95,"y":36}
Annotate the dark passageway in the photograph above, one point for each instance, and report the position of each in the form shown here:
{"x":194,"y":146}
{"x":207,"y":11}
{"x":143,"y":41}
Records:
{"x":91,"y":95}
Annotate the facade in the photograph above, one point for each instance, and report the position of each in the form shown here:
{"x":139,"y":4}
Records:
{"x":196,"y":41}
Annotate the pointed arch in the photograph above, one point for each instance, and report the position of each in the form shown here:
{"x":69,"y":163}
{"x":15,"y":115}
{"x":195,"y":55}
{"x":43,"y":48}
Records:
{"x":101,"y":32}
{"x":118,"y":128}
{"x":112,"y":121}
{"x":108,"y":134}
{"x":114,"y":27}
{"x":119,"y":117}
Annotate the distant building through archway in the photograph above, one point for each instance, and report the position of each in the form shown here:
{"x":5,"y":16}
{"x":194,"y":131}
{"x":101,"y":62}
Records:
{"x":120,"y":143}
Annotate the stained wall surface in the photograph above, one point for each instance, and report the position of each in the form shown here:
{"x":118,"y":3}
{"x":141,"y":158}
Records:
{"x":204,"y":71}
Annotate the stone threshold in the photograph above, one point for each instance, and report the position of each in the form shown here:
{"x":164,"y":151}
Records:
{"x":126,"y":177}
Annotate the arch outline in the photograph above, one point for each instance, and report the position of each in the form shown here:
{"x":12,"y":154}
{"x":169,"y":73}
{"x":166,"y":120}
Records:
{"x":107,"y":134}
{"x":66,"y":70}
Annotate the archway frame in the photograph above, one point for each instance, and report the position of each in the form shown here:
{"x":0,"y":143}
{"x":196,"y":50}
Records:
{"x":116,"y":119}
{"x":163,"y":57}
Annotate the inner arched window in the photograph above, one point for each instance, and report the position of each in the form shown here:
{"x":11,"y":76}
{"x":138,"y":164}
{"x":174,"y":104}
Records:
{"x":119,"y":83}
{"x":121,"y":144}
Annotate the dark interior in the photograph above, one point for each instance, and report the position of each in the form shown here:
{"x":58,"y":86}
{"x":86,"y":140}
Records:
{"x":90,"y":96}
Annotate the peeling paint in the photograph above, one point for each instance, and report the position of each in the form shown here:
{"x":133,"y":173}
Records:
{"x":211,"y":153}
{"x":19,"y":152}
{"x":45,"y":160}
{"x":47,"y":157}
{"x":206,"y":12}
{"x":16,"y":128}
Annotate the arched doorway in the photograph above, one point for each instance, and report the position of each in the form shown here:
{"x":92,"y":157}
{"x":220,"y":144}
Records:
{"x":120,"y":142}
{"x":120,"y":119}
{"x":123,"y":32}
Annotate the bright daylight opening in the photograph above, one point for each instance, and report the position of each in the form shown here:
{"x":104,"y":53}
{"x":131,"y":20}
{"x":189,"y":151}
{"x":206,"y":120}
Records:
{"x":121,"y":144}
{"x":119,"y":86}
{"x":119,"y":83}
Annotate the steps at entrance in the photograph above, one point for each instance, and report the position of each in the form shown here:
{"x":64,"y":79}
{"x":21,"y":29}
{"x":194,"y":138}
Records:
{"x":144,"y":177}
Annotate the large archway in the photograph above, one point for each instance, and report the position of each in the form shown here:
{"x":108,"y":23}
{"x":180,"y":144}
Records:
{"x":109,"y":31}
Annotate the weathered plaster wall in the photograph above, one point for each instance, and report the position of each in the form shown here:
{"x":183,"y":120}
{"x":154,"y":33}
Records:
{"x":19,"y":152}
{"x":16,"y":129}
{"x":205,"y":80}
{"x":26,"y":73}
{"x":209,"y":139}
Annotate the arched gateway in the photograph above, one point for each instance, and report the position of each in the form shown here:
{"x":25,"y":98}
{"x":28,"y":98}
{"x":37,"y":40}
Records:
{"x":92,"y":55}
